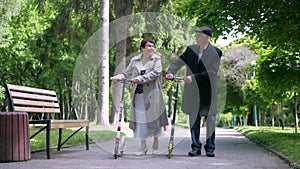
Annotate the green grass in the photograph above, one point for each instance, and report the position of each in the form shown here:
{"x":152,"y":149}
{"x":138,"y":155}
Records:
{"x":284,"y":141}
{"x":103,"y":135}
{"x":39,"y":141}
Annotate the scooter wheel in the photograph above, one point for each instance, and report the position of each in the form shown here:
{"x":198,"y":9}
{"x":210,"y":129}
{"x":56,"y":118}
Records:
{"x":116,"y":150}
{"x":170,"y":149}
{"x":123,"y":139}
{"x":122,"y":146}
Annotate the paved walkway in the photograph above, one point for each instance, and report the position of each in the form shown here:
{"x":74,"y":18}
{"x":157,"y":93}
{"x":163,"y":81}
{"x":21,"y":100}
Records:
{"x":233,"y":151}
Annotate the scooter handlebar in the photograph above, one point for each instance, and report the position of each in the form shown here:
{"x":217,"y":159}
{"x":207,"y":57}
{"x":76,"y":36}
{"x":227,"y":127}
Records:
{"x":125,"y":80}
{"x":178,"y":79}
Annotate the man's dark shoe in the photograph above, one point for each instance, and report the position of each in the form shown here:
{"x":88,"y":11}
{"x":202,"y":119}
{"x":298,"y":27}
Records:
{"x":210,"y":154}
{"x":194,"y":153}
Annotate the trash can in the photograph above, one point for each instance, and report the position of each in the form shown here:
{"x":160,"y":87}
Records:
{"x":14,"y":137}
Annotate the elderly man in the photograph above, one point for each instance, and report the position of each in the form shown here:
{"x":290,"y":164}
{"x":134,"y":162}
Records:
{"x":200,"y":89}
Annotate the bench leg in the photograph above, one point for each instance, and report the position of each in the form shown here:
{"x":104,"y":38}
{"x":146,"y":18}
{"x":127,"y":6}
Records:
{"x":87,"y":138}
{"x":59,"y":139}
{"x":48,"y":139}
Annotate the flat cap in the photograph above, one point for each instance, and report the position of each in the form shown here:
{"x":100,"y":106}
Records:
{"x":206,"y":30}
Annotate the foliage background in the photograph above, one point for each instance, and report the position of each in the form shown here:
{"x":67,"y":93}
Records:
{"x":40,"y":41}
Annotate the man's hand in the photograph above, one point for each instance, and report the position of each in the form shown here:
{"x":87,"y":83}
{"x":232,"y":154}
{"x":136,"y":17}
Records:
{"x":188,"y":79}
{"x":169,"y":76}
{"x":114,"y":79}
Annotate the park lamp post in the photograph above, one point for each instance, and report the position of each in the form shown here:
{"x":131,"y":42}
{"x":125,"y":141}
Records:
{"x":254,"y":107}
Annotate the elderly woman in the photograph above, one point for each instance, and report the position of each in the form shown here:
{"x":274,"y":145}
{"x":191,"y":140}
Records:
{"x":148,"y":113}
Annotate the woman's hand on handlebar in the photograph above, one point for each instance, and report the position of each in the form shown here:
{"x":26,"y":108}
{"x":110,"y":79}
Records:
{"x":135,"y":80}
{"x":169,"y":76}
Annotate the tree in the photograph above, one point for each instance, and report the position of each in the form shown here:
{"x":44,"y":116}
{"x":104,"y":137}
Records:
{"x":103,"y":99}
{"x":43,"y":43}
{"x":8,"y":9}
{"x":56,"y":49}
{"x":236,"y":61}
{"x":121,"y":9}
{"x":265,"y":19}
{"x":275,"y":72}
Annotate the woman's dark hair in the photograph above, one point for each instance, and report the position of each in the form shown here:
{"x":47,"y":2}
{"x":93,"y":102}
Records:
{"x":144,"y":41}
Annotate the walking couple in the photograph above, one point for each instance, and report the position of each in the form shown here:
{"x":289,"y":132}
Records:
{"x":148,"y":113}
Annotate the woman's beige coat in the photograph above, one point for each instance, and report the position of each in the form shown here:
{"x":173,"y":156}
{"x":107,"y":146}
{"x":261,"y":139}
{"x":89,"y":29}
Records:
{"x":152,"y":91}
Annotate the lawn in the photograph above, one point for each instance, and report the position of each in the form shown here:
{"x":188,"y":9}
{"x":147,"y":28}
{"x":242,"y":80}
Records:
{"x":286,"y":141}
{"x":39,"y":141}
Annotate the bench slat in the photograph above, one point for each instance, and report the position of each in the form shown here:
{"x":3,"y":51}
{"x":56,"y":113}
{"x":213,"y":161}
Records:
{"x":36,"y":110}
{"x":68,"y":123}
{"x":35,"y":103}
{"x":30,"y":89}
{"x":33,"y":96}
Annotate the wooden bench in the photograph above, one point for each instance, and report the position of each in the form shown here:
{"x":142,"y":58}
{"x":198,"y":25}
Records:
{"x":43,"y":104}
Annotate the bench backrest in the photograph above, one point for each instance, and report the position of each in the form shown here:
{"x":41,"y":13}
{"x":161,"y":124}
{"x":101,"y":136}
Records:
{"x":32,"y":100}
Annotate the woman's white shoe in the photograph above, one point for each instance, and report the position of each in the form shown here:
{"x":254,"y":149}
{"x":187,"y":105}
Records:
{"x":144,"y":152}
{"x":154,"y":152}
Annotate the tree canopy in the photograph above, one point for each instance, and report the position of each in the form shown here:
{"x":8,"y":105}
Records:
{"x":276,"y":22}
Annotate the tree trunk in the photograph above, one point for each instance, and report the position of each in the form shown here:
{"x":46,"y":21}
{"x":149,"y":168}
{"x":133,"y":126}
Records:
{"x":92,"y":102}
{"x":282,"y":115}
{"x":117,"y":88}
{"x":273,"y":114}
{"x":103,"y":99}
{"x":264,"y":118}
{"x":244,"y":119}
{"x":296,"y":115}
{"x":122,"y":8}
{"x":86,"y":107}
{"x":278,"y":115}
{"x":240,"y":121}
{"x":68,"y":100}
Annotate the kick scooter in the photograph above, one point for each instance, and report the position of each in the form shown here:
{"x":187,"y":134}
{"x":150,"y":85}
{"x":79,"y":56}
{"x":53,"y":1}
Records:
{"x":171,"y":142}
{"x":120,"y":141}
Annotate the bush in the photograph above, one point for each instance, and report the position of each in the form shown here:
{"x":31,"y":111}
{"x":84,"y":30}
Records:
{"x":224,"y":119}
{"x":2,"y":98}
